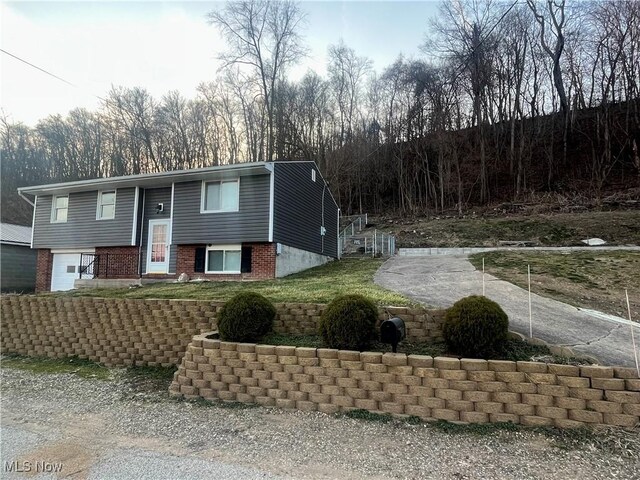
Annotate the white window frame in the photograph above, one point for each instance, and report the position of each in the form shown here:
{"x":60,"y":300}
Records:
{"x":203,"y":196}
{"x":99,"y":204}
{"x":224,"y":248}
{"x":53,"y":208}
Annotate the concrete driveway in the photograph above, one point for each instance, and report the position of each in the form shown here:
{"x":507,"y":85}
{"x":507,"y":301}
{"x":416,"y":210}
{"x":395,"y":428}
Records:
{"x":442,"y":280}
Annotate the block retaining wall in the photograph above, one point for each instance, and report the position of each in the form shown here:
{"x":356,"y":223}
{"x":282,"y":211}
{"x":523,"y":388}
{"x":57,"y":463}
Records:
{"x":148,"y":332}
{"x":467,"y":390}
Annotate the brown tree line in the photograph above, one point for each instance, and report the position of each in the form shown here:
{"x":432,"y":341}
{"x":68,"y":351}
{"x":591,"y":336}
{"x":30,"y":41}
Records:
{"x":509,"y":99}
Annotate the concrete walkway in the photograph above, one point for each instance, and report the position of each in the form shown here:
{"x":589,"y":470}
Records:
{"x":441,"y":280}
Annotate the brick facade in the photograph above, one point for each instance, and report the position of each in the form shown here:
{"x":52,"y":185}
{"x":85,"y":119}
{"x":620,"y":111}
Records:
{"x":263,"y":263}
{"x":122,"y":262}
{"x":118,"y":262}
{"x":440,"y":388}
{"x":44,"y":268}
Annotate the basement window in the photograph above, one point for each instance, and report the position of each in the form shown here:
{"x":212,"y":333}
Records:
{"x":223,"y":259}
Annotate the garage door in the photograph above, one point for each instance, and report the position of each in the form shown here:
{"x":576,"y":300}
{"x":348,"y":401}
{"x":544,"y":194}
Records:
{"x":65,"y":270}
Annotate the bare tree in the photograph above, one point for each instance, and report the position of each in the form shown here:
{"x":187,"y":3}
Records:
{"x":552,"y":24}
{"x":264,"y":36}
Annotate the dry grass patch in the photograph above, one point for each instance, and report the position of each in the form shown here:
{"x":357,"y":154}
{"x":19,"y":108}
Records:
{"x":559,"y":229}
{"x":594,"y":280}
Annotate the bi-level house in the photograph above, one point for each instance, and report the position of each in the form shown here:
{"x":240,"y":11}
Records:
{"x":233,"y":222}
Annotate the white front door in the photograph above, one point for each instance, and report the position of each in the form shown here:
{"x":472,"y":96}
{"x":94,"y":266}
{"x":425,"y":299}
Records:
{"x":158,"y":246}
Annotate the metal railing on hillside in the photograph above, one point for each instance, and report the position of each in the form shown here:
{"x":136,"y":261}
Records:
{"x":358,"y":222}
{"x":382,"y":244}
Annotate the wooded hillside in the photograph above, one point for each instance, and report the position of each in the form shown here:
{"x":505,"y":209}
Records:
{"x":509,"y":99}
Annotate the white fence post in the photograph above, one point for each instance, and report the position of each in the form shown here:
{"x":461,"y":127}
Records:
{"x":375,"y":241}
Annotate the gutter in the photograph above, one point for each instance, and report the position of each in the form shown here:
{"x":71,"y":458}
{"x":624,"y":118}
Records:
{"x":26,"y":199}
{"x":138,"y":179}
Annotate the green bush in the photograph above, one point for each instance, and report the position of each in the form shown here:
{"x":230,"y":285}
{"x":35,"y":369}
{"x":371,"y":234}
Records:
{"x":349,"y":323}
{"x":245,"y":318}
{"x":476,"y":327}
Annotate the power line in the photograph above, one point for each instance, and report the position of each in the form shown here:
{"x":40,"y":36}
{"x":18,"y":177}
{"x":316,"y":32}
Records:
{"x":38,"y":68}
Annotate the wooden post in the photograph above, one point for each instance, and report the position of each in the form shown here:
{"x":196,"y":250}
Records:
{"x":529,"y":281}
{"x":633,"y":340}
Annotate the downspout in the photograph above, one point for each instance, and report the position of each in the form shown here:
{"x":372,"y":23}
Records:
{"x":33,"y":217}
{"x":324,"y":187}
{"x":144,"y":199}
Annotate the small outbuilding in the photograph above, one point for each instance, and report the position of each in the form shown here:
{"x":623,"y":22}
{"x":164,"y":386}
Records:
{"x":17,"y":259}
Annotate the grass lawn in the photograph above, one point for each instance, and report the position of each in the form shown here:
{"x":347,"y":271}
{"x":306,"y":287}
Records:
{"x":560,"y":229}
{"x":316,"y":285}
{"x":584,"y":279}
{"x":73,"y":365}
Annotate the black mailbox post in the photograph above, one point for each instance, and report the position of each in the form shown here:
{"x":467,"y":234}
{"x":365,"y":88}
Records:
{"x":392,"y":331}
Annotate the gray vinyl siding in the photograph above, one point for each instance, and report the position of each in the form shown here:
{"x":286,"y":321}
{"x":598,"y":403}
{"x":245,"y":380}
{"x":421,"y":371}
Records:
{"x":18,"y":268}
{"x":152,"y":197}
{"x":249,"y":224}
{"x":81,"y":228}
{"x":298,"y":209}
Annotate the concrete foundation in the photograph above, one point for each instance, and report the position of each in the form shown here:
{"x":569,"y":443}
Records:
{"x":106,"y":282}
{"x":292,"y":260}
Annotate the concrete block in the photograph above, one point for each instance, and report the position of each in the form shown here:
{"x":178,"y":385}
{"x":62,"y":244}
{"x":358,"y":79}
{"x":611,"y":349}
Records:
{"x":531,"y":367}
{"x":446,"y":363}
{"x":535,"y":399}
{"x":504,"y":418}
{"x":453,"y":374}
{"x":459,"y":405}
{"x":553,"y":390}
{"x":604,"y":406}
{"x":475,"y":396}
{"x":608,"y":383}
{"x":535,"y":421}
{"x":551,"y":412}
{"x":596,"y":371}
{"x":481,"y":376}
{"x":474,"y":417}
{"x":520,"y":409}
{"x":510,"y":377}
{"x":621,"y":420}
{"x":420,"y":361}
{"x":564,"y":370}
{"x":574,"y":382}
{"x":395,"y":359}
{"x":445,"y":414}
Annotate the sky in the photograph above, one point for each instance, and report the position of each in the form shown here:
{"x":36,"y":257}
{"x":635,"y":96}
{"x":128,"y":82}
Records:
{"x":164,"y":46}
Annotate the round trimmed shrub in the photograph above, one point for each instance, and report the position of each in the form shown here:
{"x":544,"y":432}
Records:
{"x":475,"y":327}
{"x":349,"y":323}
{"x":245,"y":318}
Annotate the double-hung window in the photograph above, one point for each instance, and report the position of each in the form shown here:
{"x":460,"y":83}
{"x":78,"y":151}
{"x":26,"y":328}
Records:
{"x":221,"y":196}
{"x":223,"y":259}
{"x":106,"y":205}
{"x":59,"y":208}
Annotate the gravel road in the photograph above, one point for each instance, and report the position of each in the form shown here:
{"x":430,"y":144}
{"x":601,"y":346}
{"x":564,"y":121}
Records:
{"x":114,"y":429}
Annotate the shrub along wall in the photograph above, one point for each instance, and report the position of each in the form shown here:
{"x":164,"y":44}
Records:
{"x":467,"y":390}
{"x":148,"y":332}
